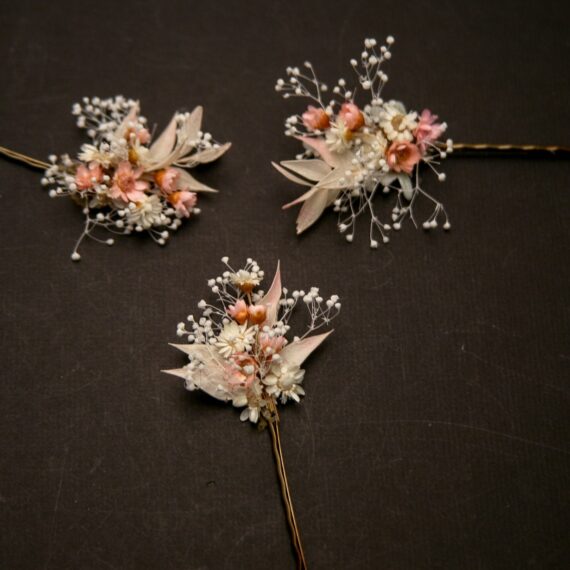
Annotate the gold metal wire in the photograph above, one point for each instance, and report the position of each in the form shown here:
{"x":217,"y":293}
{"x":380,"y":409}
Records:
{"x":511,"y":147}
{"x":24,"y":158}
{"x":273,"y":424}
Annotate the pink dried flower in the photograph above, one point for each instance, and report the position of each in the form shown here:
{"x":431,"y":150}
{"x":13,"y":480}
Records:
{"x":127,"y":185}
{"x":315,"y":118}
{"x":143,"y":135}
{"x":238,"y":312}
{"x":351,"y":116}
{"x":167,"y":179}
{"x":403,"y":156}
{"x":257,"y":314}
{"x":242,"y":370}
{"x":86,"y":176}
{"x":428,"y":130}
{"x":271,"y":344}
{"x":183,"y":202}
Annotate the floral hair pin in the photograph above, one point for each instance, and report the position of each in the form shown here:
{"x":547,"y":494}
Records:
{"x":240,"y":351}
{"x":124,"y":180}
{"x":351,"y":153}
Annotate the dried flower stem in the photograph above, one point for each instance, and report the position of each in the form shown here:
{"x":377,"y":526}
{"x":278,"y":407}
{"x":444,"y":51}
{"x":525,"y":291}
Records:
{"x":24,"y":158}
{"x":524,"y":148}
{"x":273,"y":424}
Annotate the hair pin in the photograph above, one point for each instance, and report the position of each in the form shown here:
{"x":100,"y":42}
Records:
{"x":352,"y":153}
{"x":240,"y":352}
{"x":125,"y":181}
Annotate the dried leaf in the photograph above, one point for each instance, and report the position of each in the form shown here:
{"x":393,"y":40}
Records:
{"x":162,"y":147}
{"x":191,"y":127}
{"x":312,"y":169}
{"x":298,"y":351}
{"x":312,"y":210}
{"x":290,"y":176}
{"x":205,"y":156}
{"x":272,"y":297}
{"x":187,"y":181}
{"x":302,"y":198}
{"x":322,"y":148}
{"x":406,"y":186}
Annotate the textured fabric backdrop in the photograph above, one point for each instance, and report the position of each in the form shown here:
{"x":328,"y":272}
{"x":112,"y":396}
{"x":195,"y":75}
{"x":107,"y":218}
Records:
{"x":435,"y":431}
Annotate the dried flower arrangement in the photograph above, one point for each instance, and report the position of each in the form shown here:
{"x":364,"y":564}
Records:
{"x":352,"y":153}
{"x":240,"y":352}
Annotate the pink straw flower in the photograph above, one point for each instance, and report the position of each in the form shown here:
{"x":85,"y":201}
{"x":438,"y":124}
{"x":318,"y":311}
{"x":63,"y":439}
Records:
{"x":167,"y":179}
{"x":403,"y":156}
{"x":428,"y":130}
{"x":257,"y":314}
{"x":126,"y":184}
{"x":271,"y":344}
{"x":183,"y":202}
{"x":315,"y":118}
{"x":238,"y":312}
{"x":85,"y":176}
{"x":351,"y":116}
{"x":242,"y":370}
{"x":143,"y":135}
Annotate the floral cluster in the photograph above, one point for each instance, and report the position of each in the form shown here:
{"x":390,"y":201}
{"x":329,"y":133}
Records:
{"x":239,"y":348}
{"x":351,"y":153}
{"x":123,"y":179}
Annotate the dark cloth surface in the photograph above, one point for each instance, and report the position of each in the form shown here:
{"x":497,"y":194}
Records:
{"x":435,"y":429}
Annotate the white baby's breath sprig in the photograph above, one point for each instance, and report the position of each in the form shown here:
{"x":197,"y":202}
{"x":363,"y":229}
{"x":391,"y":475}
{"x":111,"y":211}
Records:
{"x":126,"y":182}
{"x":352,"y":156}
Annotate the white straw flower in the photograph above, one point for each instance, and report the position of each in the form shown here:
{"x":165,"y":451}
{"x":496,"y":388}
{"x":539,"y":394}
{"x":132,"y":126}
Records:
{"x":235,"y":338}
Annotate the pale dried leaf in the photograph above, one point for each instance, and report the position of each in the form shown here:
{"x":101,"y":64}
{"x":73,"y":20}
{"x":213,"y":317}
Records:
{"x":302,"y":198}
{"x":187,"y":182}
{"x":192,"y":124}
{"x":205,"y":156}
{"x":406,"y":186}
{"x":311,"y":169}
{"x":322,"y":148}
{"x":298,"y":351}
{"x":162,"y":147}
{"x":272,"y":297}
{"x":180,"y":372}
{"x":312,"y":210}
{"x":290,"y":176}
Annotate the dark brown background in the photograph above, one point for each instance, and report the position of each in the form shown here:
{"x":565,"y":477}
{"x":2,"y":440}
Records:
{"x":435,"y":431}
